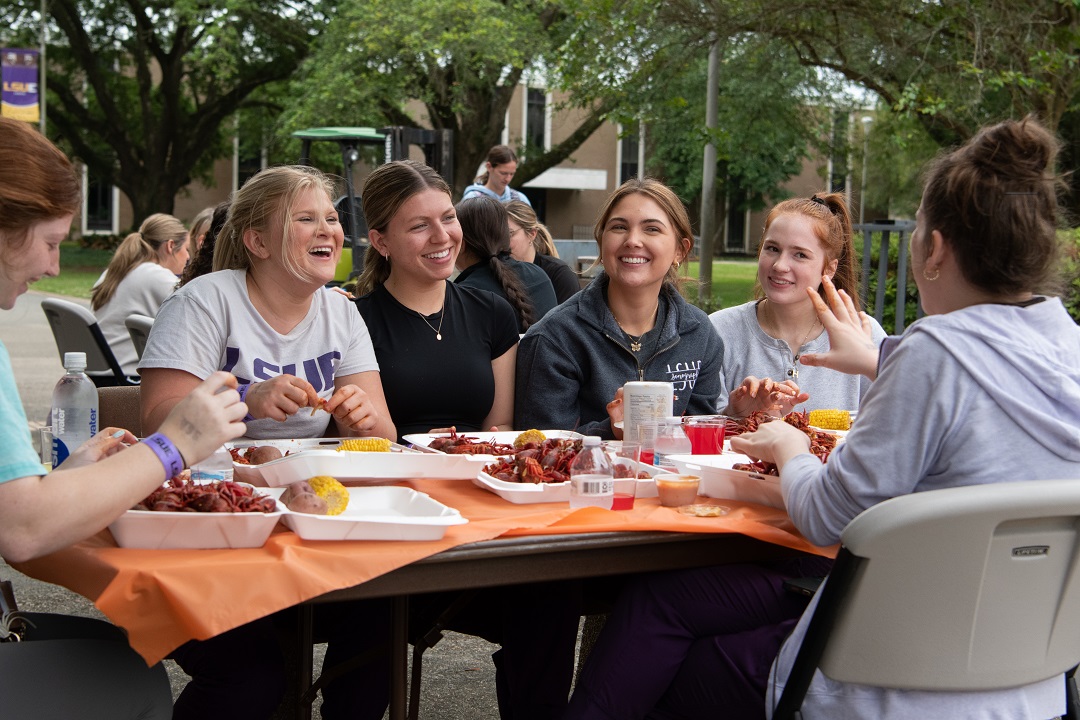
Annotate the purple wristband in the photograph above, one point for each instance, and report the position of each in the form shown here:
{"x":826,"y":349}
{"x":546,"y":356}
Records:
{"x":167,"y":453}
{"x":243,"y":390}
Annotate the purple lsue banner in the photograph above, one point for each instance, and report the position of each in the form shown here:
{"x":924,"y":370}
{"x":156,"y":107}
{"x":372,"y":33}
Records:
{"x":20,"y":77}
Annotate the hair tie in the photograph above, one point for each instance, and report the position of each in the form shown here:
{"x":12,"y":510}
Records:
{"x":503,"y":254}
{"x":819,"y":201}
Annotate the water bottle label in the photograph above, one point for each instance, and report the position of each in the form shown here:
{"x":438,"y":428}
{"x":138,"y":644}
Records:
{"x":60,"y":452}
{"x":596,"y":487}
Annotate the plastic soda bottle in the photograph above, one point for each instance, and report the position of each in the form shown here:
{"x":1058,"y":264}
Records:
{"x":670,"y":440}
{"x":74,"y":408}
{"x":592,"y":481}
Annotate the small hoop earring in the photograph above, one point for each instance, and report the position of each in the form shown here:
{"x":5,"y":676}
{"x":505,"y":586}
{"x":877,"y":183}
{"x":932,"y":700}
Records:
{"x":675,"y":265}
{"x":926,"y":276}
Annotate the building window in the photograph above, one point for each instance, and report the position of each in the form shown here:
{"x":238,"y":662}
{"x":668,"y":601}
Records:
{"x":99,"y":206}
{"x":536,"y":120}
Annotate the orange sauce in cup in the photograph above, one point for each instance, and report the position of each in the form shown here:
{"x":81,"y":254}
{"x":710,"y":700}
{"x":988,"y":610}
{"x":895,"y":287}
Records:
{"x":676,"y":490}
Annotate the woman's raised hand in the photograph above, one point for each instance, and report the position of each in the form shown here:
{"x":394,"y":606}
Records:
{"x":616,"y":411}
{"x":777,"y":399}
{"x":852,"y":349}
{"x":210,"y":415}
{"x":109,"y":441}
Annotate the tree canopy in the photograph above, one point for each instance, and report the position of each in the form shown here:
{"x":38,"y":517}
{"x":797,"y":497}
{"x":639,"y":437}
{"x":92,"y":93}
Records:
{"x":142,"y":92}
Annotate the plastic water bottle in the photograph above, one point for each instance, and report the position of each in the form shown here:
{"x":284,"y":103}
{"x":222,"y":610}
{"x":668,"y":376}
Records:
{"x":74,"y":408}
{"x":592,"y":481}
{"x":670,"y":440}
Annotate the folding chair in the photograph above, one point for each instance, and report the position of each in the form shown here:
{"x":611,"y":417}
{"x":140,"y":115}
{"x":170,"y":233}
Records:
{"x":118,"y":406}
{"x":75,"y":329}
{"x":961,"y":589}
{"x":138,"y":327}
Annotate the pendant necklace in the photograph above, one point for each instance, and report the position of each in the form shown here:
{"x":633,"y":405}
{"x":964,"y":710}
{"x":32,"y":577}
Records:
{"x":793,"y":372}
{"x":635,"y":341}
{"x":436,"y":330}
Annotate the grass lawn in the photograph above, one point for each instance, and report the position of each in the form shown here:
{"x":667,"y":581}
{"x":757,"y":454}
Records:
{"x":732,"y":280}
{"x":79,"y":270}
{"x":732,"y":283}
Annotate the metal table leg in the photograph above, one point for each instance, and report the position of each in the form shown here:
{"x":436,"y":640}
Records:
{"x":399,"y":656}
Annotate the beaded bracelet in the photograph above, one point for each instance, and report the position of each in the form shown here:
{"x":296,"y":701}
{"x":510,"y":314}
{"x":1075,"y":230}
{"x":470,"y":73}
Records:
{"x":243,"y":390}
{"x":167,"y":453}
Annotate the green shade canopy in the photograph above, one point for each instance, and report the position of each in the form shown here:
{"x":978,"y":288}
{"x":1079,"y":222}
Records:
{"x":361,"y":134}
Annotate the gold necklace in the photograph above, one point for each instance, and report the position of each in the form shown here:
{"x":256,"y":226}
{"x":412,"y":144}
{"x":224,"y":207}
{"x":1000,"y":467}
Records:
{"x":437,"y":331}
{"x":635,"y":342}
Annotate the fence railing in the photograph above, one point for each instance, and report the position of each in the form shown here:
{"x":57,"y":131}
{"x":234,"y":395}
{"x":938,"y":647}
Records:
{"x":885,"y":282}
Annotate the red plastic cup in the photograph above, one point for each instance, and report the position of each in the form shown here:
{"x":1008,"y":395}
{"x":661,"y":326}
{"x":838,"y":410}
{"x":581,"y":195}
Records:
{"x":706,"y":435}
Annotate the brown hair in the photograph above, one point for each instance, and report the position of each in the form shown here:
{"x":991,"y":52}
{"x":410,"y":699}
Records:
{"x":523,"y":214}
{"x":668,"y":201}
{"x":832,"y":227}
{"x":385,"y":190}
{"x":202,"y":261}
{"x":995,"y":202}
{"x":47,"y":187}
{"x":266,"y":198}
{"x":487,"y":236}
{"x":137,"y":248}
{"x":498,"y":155}
{"x":199,"y":226}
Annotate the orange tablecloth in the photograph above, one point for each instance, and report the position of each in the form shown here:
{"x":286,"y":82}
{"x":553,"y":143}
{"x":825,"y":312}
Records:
{"x":164,"y":598}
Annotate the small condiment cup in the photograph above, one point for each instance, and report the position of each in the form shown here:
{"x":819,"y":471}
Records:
{"x":676,"y":490}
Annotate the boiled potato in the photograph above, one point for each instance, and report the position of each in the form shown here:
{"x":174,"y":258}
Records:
{"x":299,"y":497}
{"x":263,"y":454}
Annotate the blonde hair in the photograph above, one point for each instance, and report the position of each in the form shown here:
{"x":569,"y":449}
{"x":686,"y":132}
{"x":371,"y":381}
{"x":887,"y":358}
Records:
{"x":266,"y":198}
{"x":523,"y":214}
{"x":199,"y":226}
{"x":137,"y":248}
{"x":668,"y":201}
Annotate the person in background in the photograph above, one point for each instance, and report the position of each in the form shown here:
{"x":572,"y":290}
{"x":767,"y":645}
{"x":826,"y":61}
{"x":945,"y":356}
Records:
{"x":202,"y":261}
{"x":142,"y":273}
{"x":485,"y":262}
{"x":425,"y":328}
{"x":447,"y":354}
{"x":994,"y":357}
{"x":499,"y":169}
{"x":804,"y":239}
{"x":629,"y":324}
{"x":531,"y":242}
{"x":199,"y":227}
{"x":95,"y":675}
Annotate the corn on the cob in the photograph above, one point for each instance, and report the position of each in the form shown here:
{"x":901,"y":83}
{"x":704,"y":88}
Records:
{"x":529,"y":436}
{"x":830,"y":419}
{"x":369,"y":444}
{"x":333,"y":492}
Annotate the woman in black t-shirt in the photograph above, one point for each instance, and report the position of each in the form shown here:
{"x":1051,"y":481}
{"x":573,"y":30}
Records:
{"x":446,"y":353}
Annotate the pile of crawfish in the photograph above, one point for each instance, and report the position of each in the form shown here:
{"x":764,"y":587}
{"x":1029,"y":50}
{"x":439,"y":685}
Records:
{"x":455,"y":444}
{"x":546,"y":462}
{"x":821,"y":442}
{"x":177,"y":495}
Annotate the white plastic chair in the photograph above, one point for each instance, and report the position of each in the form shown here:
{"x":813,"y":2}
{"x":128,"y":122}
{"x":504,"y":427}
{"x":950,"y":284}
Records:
{"x":968,"y":589}
{"x":138,"y":327}
{"x":75,"y":329}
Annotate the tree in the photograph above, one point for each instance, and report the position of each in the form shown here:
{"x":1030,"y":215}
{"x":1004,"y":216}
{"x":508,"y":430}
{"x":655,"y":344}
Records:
{"x":143,"y":92}
{"x":461,"y":62}
{"x":952,"y":66}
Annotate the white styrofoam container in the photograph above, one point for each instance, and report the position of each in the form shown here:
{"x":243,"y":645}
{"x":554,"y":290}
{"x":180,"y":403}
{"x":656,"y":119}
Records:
{"x":719,"y":480}
{"x":377,"y":513}
{"x":318,"y":456}
{"x":527,"y":493}
{"x":151,"y":530}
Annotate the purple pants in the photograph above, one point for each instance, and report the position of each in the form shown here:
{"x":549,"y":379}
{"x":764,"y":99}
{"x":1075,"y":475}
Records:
{"x":693,"y":643}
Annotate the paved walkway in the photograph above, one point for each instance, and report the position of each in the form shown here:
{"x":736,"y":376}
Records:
{"x":459,"y":679}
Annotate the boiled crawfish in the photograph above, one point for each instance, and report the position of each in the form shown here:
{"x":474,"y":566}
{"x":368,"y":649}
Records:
{"x":176,"y":495}
{"x":455,"y":444}
{"x":821,"y":442}
{"x":548,"y":462}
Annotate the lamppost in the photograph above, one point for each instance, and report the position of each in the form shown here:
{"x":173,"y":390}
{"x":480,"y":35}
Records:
{"x":867,"y":121}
